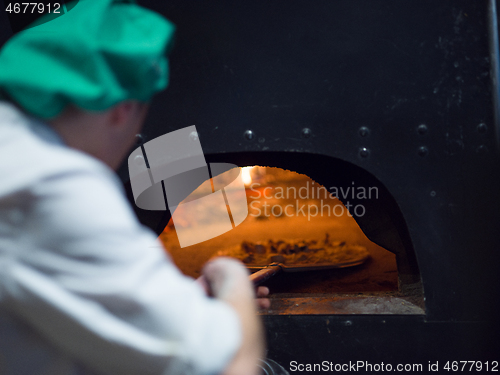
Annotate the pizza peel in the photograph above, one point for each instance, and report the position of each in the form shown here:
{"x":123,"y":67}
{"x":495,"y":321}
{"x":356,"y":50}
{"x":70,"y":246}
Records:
{"x":264,"y":273}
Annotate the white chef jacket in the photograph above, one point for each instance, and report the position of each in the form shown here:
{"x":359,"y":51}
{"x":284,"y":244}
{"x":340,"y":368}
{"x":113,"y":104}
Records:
{"x":84,"y":288}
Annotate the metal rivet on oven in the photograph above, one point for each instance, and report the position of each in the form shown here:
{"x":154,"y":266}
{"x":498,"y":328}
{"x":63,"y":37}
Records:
{"x":364,"y":131}
{"x":249,"y":135}
{"x":139,"y":160}
{"x":364,"y":152}
{"x":423,"y":151}
{"x":482,"y":149}
{"x":348,"y":323}
{"x":306,"y":133}
{"x":422,"y":129}
{"x":433,"y":193}
{"x":139,"y":139}
{"x":193,"y":136}
{"x":482,"y":128}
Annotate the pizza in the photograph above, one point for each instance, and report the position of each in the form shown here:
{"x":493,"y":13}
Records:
{"x":296,"y":252}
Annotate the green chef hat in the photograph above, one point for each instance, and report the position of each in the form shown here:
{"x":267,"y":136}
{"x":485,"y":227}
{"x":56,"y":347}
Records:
{"x":96,"y":55}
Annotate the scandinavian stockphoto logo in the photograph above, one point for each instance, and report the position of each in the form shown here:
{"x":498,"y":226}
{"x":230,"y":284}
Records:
{"x":170,"y":172}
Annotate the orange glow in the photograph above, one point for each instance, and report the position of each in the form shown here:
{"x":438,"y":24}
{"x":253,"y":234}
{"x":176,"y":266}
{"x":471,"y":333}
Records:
{"x":246,"y":175}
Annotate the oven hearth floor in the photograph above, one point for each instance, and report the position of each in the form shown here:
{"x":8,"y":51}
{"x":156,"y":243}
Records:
{"x":378,"y":274}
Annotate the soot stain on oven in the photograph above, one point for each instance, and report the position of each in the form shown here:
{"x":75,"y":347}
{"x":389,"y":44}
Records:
{"x":289,"y":210}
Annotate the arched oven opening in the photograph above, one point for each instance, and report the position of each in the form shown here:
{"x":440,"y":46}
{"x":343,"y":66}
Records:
{"x":292,"y":201}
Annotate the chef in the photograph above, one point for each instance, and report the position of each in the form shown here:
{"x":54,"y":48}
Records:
{"x":84,"y":288}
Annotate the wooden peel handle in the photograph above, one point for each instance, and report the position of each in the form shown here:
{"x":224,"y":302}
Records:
{"x":264,"y":274}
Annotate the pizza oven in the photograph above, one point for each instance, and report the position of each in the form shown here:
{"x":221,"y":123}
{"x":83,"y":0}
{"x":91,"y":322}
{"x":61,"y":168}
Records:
{"x":399,"y":97}
{"x":329,"y":263}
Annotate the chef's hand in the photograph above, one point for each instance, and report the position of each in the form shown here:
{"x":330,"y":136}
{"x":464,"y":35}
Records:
{"x":261,"y":292}
{"x":227,"y":280}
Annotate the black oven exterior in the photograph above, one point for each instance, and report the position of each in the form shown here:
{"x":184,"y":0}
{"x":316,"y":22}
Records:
{"x":400,"y":94}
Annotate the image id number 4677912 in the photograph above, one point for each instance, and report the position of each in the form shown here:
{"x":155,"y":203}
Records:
{"x":33,"y":8}
{"x":471,"y":366}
